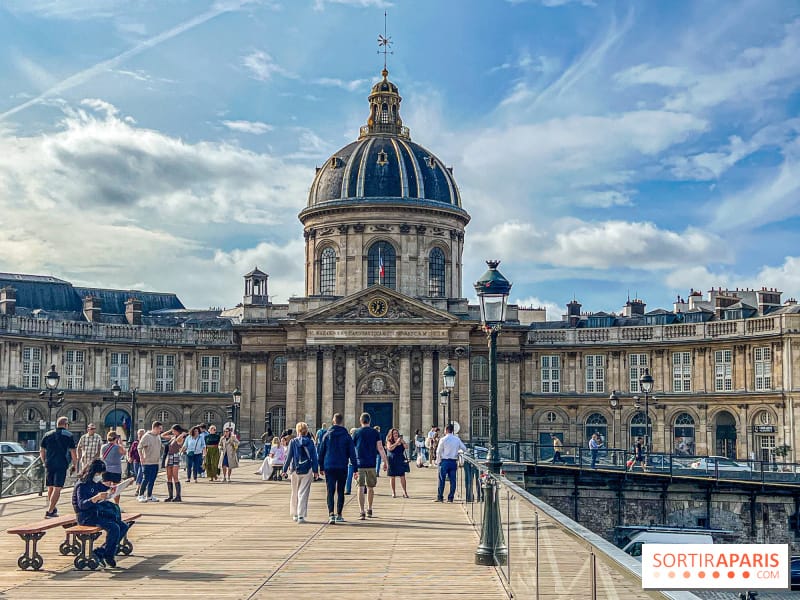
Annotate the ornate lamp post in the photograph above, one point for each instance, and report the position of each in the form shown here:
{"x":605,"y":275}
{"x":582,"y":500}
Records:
{"x":116,"y":391}
{"x":492,"y":290}
{"x":237,"y":403}
{"x":613,"y":401}
{"x":51,"y":382}
{"x":646,"y":385}
{"x":449,"y":379}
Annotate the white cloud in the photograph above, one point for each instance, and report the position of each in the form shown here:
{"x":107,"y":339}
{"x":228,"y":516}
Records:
{"x":252,"y":127}
{"x":604,"y":199}
{"x":646,"y":75}
{"x":262,"y":67}
{"x":553,"y":310}
{"x":320,"y":4}
{"x":786,"y":277}
{"x":350,"y":86}
{"x":66,"y":9}
{"x":285,"y":264}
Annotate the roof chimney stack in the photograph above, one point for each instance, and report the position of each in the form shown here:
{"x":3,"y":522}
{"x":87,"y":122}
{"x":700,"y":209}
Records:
{"x":133,"y":311}
{"x":8,"y":301}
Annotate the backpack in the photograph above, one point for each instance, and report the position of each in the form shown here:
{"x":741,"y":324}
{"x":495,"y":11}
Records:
{"x":303,"y":465}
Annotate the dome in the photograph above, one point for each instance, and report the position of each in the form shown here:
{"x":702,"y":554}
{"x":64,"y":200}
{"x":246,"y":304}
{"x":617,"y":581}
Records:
{"x":384,"y":164}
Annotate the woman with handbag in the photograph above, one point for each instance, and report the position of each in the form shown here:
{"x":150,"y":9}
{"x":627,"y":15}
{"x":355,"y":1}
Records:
{"x":176,"y":437}
{"x":228,"y":454}
{"x":396,"y":448}
{"x":195,"y":448}
{"x":111,"y":453}
{"x":90,"y":501}
{"x":301,"y":462}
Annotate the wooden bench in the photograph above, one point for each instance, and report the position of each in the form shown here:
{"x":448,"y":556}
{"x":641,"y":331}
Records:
{"x":31,"y":533}
{"x":85,"y":536}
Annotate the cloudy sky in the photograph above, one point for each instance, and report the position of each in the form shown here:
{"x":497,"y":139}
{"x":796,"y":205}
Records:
{"x":602,"y":148}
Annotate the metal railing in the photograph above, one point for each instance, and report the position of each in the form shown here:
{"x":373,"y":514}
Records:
{"x":23,"y":473}
{"x":550,"y":556}
{"x":617,"y":459}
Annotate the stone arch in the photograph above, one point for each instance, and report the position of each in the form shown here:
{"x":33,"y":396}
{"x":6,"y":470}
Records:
{"x":83,"y":418}
{"x":153,"y":414}
{"x":370,"y":385}
{"x":21,"y":413}
{"x":387,"y":249}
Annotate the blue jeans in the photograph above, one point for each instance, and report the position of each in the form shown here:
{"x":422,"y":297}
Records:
{"x":194,"y":463}
{"x":594,"y":457}
{"x":115,"y":531}
{"x":348,"y":486}
{"x":334,"y":481}
{"x":150,"y":474}
{"x":447,"y":470}
{"x":378,"y":466}
{"x":138,"y":472}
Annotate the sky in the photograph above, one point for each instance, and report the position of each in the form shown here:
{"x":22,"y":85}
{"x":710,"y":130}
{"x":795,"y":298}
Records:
{"x":602,"y":149}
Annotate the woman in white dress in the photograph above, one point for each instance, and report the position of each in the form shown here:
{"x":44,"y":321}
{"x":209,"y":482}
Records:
{"x":275,"y":459}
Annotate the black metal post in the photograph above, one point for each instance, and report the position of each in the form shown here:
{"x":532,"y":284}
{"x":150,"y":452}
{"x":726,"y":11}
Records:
{"x":134,"y":422}
{"x":449,"y":421}
{"x":492,"y":550}
{"x":647,"y":430}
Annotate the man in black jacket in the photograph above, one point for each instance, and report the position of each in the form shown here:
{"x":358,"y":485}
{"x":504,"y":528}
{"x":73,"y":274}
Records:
{"x":335,"y":451}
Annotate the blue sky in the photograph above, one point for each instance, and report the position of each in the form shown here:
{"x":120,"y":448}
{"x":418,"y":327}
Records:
{"x":602,"y":148}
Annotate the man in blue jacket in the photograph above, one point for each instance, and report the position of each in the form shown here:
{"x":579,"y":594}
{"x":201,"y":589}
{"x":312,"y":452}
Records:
{"x":335,"y":451}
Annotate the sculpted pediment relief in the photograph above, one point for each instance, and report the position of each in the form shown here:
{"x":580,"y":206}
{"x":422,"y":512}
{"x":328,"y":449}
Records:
{"x":378,"y":304}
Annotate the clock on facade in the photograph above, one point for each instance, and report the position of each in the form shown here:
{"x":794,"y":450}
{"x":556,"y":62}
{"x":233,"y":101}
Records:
{"x":378,"y":307}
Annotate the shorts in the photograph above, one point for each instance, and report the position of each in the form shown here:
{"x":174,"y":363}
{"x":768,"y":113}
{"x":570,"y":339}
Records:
{"x":367,"y":477}
{"x":56,"y":477}
{"x":173,"y":460}
{"x":112,"y":477}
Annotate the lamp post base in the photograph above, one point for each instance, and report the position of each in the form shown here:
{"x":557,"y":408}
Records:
{"x":492,"y":551}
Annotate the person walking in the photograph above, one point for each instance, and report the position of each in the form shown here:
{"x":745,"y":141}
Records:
{"x":195,"y":448}
{"x":638,"y":455}
{"x":211,"y":461}
{"x":301,"y":462}
{"x":320,"y":434}
{"x":335,"y":451}
{"x":56,"y":446}
{"x":557,"y":446}
{"x":594,"y":447}
{"x":88,"y":447}
{"x":378,"y":456}
{"x":348,"y":484}
{"x":419,"y":444}
{"x":369,"y":447}
{"x":447,"y":458}
{"x":150,"y":453}
{"x":134,"y":459}
{"x":396,"y":448}
{"x":111,"y":454}
{"x":228,"y":454}
{"x":175,"y":437}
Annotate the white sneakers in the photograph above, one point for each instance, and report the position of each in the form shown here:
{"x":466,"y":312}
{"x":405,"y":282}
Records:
{"x":301,"y":520}
{"x":294,"y":517}
{"x":141,"y":498}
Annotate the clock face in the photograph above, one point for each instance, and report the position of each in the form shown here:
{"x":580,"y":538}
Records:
{"x":378,"y":307}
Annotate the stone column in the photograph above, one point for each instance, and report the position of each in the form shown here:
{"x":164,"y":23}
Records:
{"x":405,"y":393}
{"x":514,"y":398}
{"x":292,"y":409}
{"x":427,"y":387}
{"x":350,"y":416}
{"x":463,"y":386}
{"x":311,"y":390}
{"x":327,"y":383}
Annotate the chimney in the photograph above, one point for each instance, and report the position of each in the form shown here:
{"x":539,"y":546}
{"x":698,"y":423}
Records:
{"x":92,"y":309}
{"x":634,"y":308}
{"x":133,"y":311}
{"x":8,"y":301}
{"x":574,"y":313}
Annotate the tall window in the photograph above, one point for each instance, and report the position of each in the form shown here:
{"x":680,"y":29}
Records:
{"x":279,"y":368}
{"x":637,"y":363}
{"x":681,"y":371}
{"x":209,"y":374}
{"x":596,"y":423}
{"x":165,"y":373}
{"x":74,"y":361}
{"x":762,"y":361}
{"x":639,"y":426}
{"x":683,"y":433}
{"x":209,"y":417}
{"x":436,"y":273}
{"x":31,"y":367}
{"x":480,"y":422}
{"x":120,"y":370}
{"x":278,"y":419}
{"x":327,"y":272}
{"x":551,"y":374}
{"x":480,"y":368}
{"x":723,"y":370}
{"x":382,"y":265}
{"x":164,"y":416}
{"x":595,"y":373}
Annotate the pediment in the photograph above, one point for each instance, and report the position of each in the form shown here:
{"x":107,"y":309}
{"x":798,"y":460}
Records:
{"x":361,"y":307}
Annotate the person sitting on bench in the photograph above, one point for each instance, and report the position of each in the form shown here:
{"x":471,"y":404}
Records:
{"x":92,"y":508}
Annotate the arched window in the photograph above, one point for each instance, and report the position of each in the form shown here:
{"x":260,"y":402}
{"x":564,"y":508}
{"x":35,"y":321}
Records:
{"x":683,"y":432}
{"x":164,"y":417}
{"x":279,"y":368}
{"x":382,"y":265}
{"x":480,"y":422}
{"x":480,"y":368}
{"x":638,"y":429}
{"x":327,"y":272}
{"x":436,"y":273}
{"x":596,"y":423}
{"x":209,"y":417}
{"x":278,"y":419}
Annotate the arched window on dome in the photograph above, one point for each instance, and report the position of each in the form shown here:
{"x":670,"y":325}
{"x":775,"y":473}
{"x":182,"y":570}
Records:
{"x":327,"y":272}
{"x":382,"y":265}
{"x":436,"y":273}
{"x":385,"y":113}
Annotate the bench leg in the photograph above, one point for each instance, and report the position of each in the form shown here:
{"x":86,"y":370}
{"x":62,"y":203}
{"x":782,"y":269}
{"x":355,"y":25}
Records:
{"x":69,"y":546}
{"x":31,"y":559}
{"x":85,"y":559}
{"x":125,"y":546}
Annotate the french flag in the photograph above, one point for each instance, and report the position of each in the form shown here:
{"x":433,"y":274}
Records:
{"x":381,"y":270}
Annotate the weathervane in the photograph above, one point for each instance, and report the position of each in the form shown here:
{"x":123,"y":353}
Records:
{"x":384,"y":41}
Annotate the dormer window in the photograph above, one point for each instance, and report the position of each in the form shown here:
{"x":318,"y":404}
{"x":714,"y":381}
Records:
{"x":430,"y":161}
{"x":335,"y":162}
{"x":383,"y":158}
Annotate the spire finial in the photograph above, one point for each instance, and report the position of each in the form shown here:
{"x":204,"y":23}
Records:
{"x":384,"y":41}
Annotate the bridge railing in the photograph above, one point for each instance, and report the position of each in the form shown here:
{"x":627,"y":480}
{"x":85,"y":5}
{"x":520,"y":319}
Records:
{"x":550,"y":556}
{"x":22,"y":473}
{"x":617,"y":459}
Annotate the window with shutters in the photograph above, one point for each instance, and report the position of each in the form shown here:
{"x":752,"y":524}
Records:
{"x":551,"y":374}
{"x":595,"y":373}
{"x":723,"y":370}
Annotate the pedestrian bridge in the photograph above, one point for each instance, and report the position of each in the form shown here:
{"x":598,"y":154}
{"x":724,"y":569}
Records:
{"x":237,"y":541}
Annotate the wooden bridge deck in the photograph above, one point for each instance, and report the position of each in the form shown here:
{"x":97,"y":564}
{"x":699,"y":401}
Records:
{"x":237,"y":541}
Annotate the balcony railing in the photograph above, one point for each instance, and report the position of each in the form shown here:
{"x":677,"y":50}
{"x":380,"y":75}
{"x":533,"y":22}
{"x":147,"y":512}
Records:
{"x":761,"y":326}
{"x":139,"y":334}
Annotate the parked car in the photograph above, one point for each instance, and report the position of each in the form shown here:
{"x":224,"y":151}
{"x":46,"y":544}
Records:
{"x":712,"y":463}
{"x":795,"y":570}
{"x":634,"y":547}
{"x":17,"y":460}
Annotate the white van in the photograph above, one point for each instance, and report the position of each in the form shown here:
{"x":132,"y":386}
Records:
{"x":634,"y":547}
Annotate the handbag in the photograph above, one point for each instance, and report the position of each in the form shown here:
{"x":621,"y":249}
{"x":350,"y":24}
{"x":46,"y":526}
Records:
{"x":109,"y":510}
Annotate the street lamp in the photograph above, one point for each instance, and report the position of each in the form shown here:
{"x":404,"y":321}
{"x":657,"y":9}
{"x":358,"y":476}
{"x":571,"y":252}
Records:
{"x":613,"y":401}
{"x":492,"y":290}
{"x":116,"y":391}
{"x":449,"y":379}
{"x":237,"y":403}
{"x":646,"y":385}
{"x":51,"y":382}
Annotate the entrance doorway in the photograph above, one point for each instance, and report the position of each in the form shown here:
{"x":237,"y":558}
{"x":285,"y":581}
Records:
{"x":546,"y":444}
{"x":726,"y":435}
{"x":118,"y":420}
{"x":381,"y":414}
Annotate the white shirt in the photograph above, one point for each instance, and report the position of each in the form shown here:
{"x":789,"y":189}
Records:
{"x":449,"y":447}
